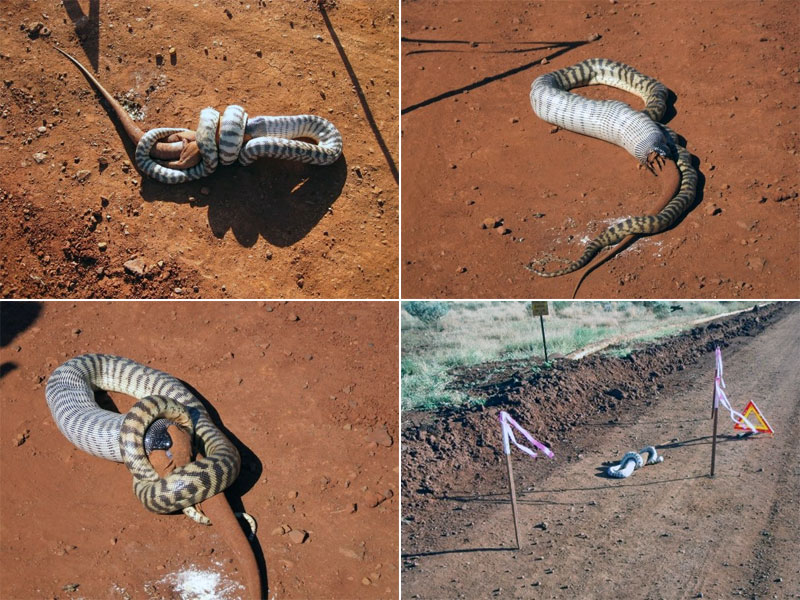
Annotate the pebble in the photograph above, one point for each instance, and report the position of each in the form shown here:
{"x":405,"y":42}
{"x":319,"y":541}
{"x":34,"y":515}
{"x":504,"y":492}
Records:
{"x":491,"y":222}
{"x":82,"y":175}
{"x":259,"y":53}
{"x":514,"y":119}
{"x":594,"y":37}
{"x":42,"y":129}
{"x":461,"y":270}
{"x":293,"y":317}
{"x":178,"y":290}
{"x":40,"y":157}
{"x":172,"y":51}
{"x":366,"y":581}
{"x":102,"y":246}
{"x":545,"y":61}
{"x":135,"y":266}
{"x":554,"y":129}
{"x":298,"y":536}
{"x":21,"y":437}
{"x":269,"y":254}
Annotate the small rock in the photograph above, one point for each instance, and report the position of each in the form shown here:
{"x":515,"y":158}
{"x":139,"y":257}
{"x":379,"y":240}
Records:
{"x":269,"y":254}
{"x":542,"y":525}
{"x":298,"y":536}
{"x":82,"y":175}
{"x":502,"y":230}
{"x":159,"y":58}
{"x":259,"y":54}
{"x":71,"y":587}
{"x":594,"y":37}
{"x":21,"y":437}
{"x":514,"y":119}
{"x":554,"y":129}
{"x":491,"y":222}
{"x":135,"y":266}
{"x":102,"y":246}
{"x":40,"y":157}
{"x":292,"y":317}
{"x":178,"y":290}
{"x":545,"y":61}
{"x":42,"y":129}
{"x":366,"y":581}
{"x":172,"y":51}
{"x":461,"y":270}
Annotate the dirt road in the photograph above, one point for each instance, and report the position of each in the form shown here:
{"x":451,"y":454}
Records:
{"x":669,"y":531}
{"x":306,"y":391}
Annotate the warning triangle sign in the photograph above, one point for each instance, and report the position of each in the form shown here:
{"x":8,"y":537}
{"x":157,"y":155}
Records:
{"x":752,"y":414}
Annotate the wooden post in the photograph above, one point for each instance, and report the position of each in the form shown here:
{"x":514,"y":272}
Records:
{"x":544,"y":340}
{"x":513,"y":498}
{"x":715,"y":414}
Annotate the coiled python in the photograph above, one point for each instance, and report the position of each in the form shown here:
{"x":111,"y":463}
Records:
{"x":639,"y":133}
{"x":632,"y":461}
{"x":189,"y":155}
{"x":130,"y":437}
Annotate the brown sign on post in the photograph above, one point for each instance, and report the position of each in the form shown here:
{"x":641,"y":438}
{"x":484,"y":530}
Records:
{"x":539,"y":308}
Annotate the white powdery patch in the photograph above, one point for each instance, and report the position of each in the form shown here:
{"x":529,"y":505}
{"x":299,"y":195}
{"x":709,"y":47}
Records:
{"x":196,"y":584}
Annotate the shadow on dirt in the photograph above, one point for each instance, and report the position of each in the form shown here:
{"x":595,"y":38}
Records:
{"x":15,"y":317}
{"x":458,"y":551}
{"x":560,"y":48}
{"x":281,"y":201}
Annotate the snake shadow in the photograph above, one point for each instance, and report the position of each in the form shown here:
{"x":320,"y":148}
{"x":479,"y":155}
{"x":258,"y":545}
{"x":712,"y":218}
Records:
{"x":15,"y":317}
{"x":250,"y":474}
{"x":279,"y":200}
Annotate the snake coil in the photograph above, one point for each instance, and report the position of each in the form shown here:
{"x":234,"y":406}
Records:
{"x":272,"y":137}
{"x":632,"y":461}
{"x":639,"y":132}
{"x":126,"y":438}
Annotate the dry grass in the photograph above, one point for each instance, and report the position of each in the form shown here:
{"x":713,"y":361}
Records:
{"x":471,"y":333}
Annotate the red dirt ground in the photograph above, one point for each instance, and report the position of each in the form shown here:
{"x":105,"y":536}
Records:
{"x":474,"y":149}
{"x":274,"y":229}
{"x":668,"y":531}
{"x":308,"y":392}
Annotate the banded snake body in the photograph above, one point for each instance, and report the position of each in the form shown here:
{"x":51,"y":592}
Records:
{"x":128,"y":438}
{"x":191,"y":155}
{"x":632,"y":461}
{"x":639,"y":132}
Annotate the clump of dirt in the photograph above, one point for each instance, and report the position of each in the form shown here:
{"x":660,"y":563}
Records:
{"x":452,"y":448}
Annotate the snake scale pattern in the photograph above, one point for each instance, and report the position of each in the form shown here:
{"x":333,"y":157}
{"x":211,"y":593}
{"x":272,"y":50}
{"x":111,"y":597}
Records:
{"x":632,"y":461}
{"x":126,"y":438}
{"x":639,"y":133}
{"x":271,"y":137}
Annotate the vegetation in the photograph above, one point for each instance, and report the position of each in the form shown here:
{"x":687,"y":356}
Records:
{"x":437,"y":336}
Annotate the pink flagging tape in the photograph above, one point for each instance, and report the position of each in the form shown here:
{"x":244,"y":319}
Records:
{"x":507,"y":422}
{"x":736,"y":417}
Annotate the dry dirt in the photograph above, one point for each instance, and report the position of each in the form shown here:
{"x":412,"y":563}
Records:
{"x":473,"y":149}
{"x":669,"y":531}
{"x":73,"y":211}
{"x":307,"y":392}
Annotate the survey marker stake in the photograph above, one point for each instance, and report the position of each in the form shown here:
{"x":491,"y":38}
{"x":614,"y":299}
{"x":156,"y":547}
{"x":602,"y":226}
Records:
{"x":506,"y":423}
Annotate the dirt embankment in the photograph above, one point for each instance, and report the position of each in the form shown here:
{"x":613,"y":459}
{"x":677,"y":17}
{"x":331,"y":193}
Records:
{"x":452,"y":448}
{"x":78,"y":220}
{"x":306,"y":391}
